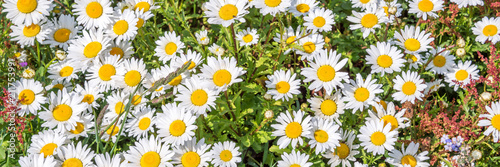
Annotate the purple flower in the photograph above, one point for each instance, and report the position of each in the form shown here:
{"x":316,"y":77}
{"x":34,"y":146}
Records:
{"x":444,"y":138}
{"x":23,"y":64}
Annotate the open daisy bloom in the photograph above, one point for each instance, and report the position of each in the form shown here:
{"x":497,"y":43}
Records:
{"x":324,"y":135}
{"x":168,"y":46}
{"x":271,"y":7}
{"x":361,"y":93}
{"x":149,"y":152}
{"x":123,"y":27}
{"x":384,"y":58}
{"x":389,"y":115}
{"x":29,"y":94}
{"x":463,"y":73}
{"x":223,"y":72}
{"x":197,"y":95}
{"x":105,"y":160}
{"x":319,"y":20}
{"x":47,"y":143}
{"x":368,"y":20}
{"x":294,"y":159}
{"x":225,"y":154}
{"x":122,"y":49}
{"x":103,"y":73}
{"x":465,"y":3}
{"x":83,"y":128}
{"x":492,"y":121}
{"x":363,"y":4}
{"x":345,"y":152}
{"x":488,"y":29}
{"x":311,"y":45}
{"x":26,"y":35}
{"x":63,"y":31}
{"x":93,"y":13}
{"x":409,"y":87}
{"x":441,"y":63}
{"x":134,"y":70}
{"x":192,"y":153}
{"x":183,"y":58}
{"x":26,"y":12}
{"x":413,"y":40}
{"x":64,"y":70}
{"x":143,"y":122}
{"x":248,"y":37}
{"x":424,"y":8}
{"x":38,"y":159}
{"x":408,"y":156}
{"x":90,"y":47}
{"x":282,"y":85}
{"x":176,"y":124}
{"x":226,"y":12}
{"x":325,"y":71}
{"x":79,"y":155}
{"x":64,"y":111}
{"x":302,"y":7}
{"x":291,"y":130}
{"x":329,"y":107}
{"x":142,"y":5}
{"x":376,"y":138}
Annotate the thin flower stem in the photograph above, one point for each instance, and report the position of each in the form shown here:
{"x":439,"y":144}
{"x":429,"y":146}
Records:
{"x":234,"y":42}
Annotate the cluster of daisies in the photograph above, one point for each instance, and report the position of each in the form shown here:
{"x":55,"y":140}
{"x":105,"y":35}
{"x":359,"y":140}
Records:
{"x":96,"y":68}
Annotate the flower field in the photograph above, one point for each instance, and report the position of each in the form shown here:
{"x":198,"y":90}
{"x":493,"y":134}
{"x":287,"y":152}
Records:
{"x":285,"y":83}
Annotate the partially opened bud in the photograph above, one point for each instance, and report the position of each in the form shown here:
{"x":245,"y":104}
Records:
{"x":460,"y":52}
{"x":485,"y":96}
{"x":461,"y":43}
{"x":392,"y":10}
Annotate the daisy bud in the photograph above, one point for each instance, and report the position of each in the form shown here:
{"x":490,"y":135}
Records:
{"x":476,"y":154}
{"x":268,"y":96}
{"x":461,"y":43}
{"x":382,"y":165}
{"x":28,"y":73}
{"x":392,"y":10}
{"x":269,"y":114}
{"x":490,"y":78}
{"x":303,"y":106}
{"x":61,"y":55}
{"x":460,"y":52}
{"x":485,"y":96}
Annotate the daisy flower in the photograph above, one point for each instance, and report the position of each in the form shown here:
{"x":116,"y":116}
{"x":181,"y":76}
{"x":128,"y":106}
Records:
{"x":105,"y":160}
{"x":138,"y":99}
{"x":408,"y":157}
{"x":288,"y":37}
{"x":302,"y":7}
{"x":329,"y":107}
{"x":168,"y":46}
{"x":82,"y":129}
{"x":30,"y":95}
{"x":465,"y":3}
{"x":368,"y":20}
{"x":433,"y":86}
{"x":63,"y":31}
{"x":271,"y":7}
{"x":463,"y":73}
{"x":325,"y":71}
{"x":26,"y":35}
{"x":202,"y":37}
{"x":90,"y":94}
{"x":424,"y":8}
{"x":492,"y":121}
{"x":363,"y":4}
{"x":361,"y":93}
{"x":415,"y":60}
{"x":112,"y":131}
{"x":121,"y":6}
{"x":195,"y":57}
{"x":37,"y":160}
{"x":142,"y":17}
{"x":134,"y":70}
{"x":223,"y":72}
{"x":413,"y":40}
{"x":248,"y":37}
{"x":345,"y":152}
{"x":312,"y":45}
{"x":320,"y":20}
{"x":64,"y":70}
{"x":71,"y":155}
{"x":122,"y":49}
{"x":63,"y":111}
{"x":123,"y":27}
{"x":442,"y":63}
{"x":386,"y":5}
{"x":149,"y":152}
{"x":88,"y":48}
{"x":197,"y":96}
{"x":295,"y":158}
{"x":376,"y":138}
{"x":103,"y":73}
{"x":282,"y":85}
{"x":216,"y":49}
{"x":177,"y":82}
{"x":409,"y":87}
{"x":225,"y":154}
{"x":60,"y":84}
{"x":389,"y":115}
{"x":487,"y":30}
{"x":384,"y":58}
{"x":93,"y":13}
{"x":291,"y":130}
{"x":226,"y":12}
{"x":143,"y":5}
{"x":142,"y":124}
{"x":26,"y":12}
{"x":116,"y":104}
{"x":323,"y":135}
{"x":176,"y":124}
{"x":192,"y":154}
{"x":47,"y":142}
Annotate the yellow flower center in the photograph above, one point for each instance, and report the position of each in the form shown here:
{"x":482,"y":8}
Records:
{"x":119,"y":108}
{"x":490,"y":30}
{"x":31,"y":31}
{"x":384,"y":61}
{"x":222,"y":77}
{"x":425,"y":5}
{"x":361,"y":94}
{"x":364,"y":1}
{"x":495,"y":121}
{"x":409,"y":88}
{"x":26,"y":97}
{"x":136,"y":99}
{"x":150,"y":159}
{"x":113,"y":130}
{"x":378,"y":138}
{"x":62,"y":35}
{"x":177,"y":128}
{"x":412,"y":44}
{"x":92,"y":49}
{"x":413,"y":58}
{"x":191,"y":66}
{"x":78,"y":128}
{"x":303,"y":8}
{"x":132,"y":78}
{"x":106,"y":71}
{"x":88,"y":98}
{"x":142,"y":6}
{"x":48,"y":149}
{"x":120,"y":27}
{"x":66,"y":71}
{"x":177,"y":80}
{"x":293,"y":130}
{"x":94,"y":10}
{"x":58,"y":86}
{"x":190,"y":159}
{"x":199,"y":97}
{"x":319,"y":21}
{"x":282,"y":87}
{"x":228,"y":12}
{"x":381,"y":103}
{"x":409,"y":160}
{"x":26,"y":6}
{"x":326,"y":73}
{"x":439,"y":61}
{"x":116,"y":51}
{"x":144,"y":123}
{"x":309,"y":47}
{"x":328,"y":107}
{"x":247,"y":38}
{"x":226,"y":155}
{"x":272,"y":3}
{"x":342,"y":151}
{"x":386,"y":10}
{"x":72,"y":162}
{"x":321,"y":136}
{"x":170,"y":48}
{"x":289,"y":40}
{"x":140,"y":23}
{"x":390,"y":119}
{"x":62,"y":112}
{"x":369,"y":20}
{"x":295,"y":165}
{"x":461,"y":75}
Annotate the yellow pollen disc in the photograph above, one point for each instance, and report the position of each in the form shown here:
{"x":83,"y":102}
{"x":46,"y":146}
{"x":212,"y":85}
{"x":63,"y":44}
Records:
{"x":88,"y":98}
{"x":390,"y":119}
{"x":140,"y":23}
{"x":461,"y":75}
{"x":62,"y":35}
{"x":142,"y":6}
{"x":272,"y":3}
{"x":176,"y":81}
{"x":31,"y":31}
{"x":92,"y":49}
{"x":383,"y":103}
{"x":326,"y":73}
{"x":342,"y":151}
{"x":26,"y":6}
{"x":490,"y":30}
{"x":413,"y":58}
{"x":247,"y":38}
{"x":190,"y":159}
{"x":72,"y":162}
{"x":293,"y":130}
{"x":199,"y":97}
{"x":94,"y":10}
{"x":119,"y":108}
{"x":78,"y":128}
{"x":412,"y":44}
{"x":303,"y":8}
{"x":282,"y":87}
{"x":26,"y":97}
{"x":222,"y":77}
{"x":112,"y":131}
{"x":226,"y":155}
{"x":384,"y":61}
{"x":386,"y":10}
{"x":409,"y":88}
{"x":378,"y":138}
{"x":328,"y":107}
{"x":120,"y":27}
{"x":495,"y":122}
{"x":66,"y":71}
{"x":132,"y":78}
{"x":409,"y":160}
{"x":150,"y":159}
{"x":62,"y":112}
{"x":191,"y":66}
{"x":177,"y":128}
{"x":289,"y":40}
{"x":116,"y":51}
{"x":136,"y":99}
{"x":295,"y":165}
{"x":361,"y":94}
{"x":309,"y":47}
{"x":228,"y":12}
{"x":319,"y":21}
{"x":170,"y":48}
{"x":48,"y":149}
{"x":106,"y":71}
{"x":439,"y":61}
{"x":425,"y":5}
{"x":321,"y":136}
{"x":369,"y":20}
{"x":364,"y":1}
{"x":144,"y":123}
{"x":58,"y":86}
